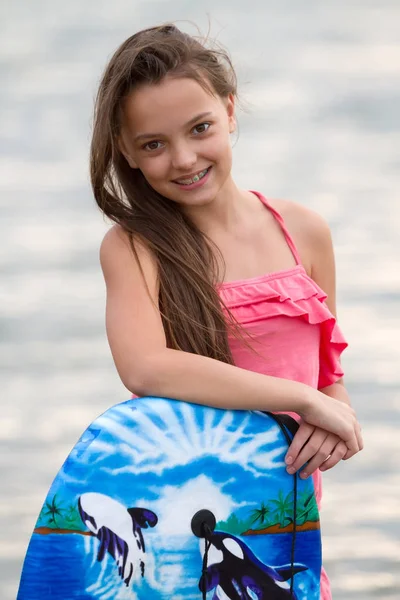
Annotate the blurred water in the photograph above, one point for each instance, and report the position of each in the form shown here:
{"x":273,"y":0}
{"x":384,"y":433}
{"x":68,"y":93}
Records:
{"x":322,"y":87}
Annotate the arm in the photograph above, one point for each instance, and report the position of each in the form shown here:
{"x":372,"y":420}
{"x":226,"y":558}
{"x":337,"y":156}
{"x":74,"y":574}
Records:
{"x":147,"y":367}
{"x":313,"y":238}
{"x":145,"y":364}
{"x":337,"y":391}
{"x":323,"y":271}
{"x":311,"y":443}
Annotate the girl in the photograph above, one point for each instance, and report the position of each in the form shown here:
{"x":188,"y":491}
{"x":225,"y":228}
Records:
{"x":215,"y":295}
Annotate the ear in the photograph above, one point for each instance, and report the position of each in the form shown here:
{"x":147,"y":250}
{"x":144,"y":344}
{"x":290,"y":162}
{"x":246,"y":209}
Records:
{"x":123,"y":146}
{"x":230,"y":108}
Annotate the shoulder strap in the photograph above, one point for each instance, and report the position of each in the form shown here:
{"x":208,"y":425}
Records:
{"x":281,"y":222}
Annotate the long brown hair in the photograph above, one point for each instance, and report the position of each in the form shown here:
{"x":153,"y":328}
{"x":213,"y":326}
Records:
{"x":189,"y":304}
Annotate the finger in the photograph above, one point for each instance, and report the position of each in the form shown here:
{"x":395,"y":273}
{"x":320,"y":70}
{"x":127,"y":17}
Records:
{"x":351,"y":442}
{"x":310,"y":449}
{"x":360,"y":445}
{"x":359,"y":437}
{"x":349,"y":454}
{"x":336,"y":456}
{"x":302,"y":435}
{"x":326,"y":450}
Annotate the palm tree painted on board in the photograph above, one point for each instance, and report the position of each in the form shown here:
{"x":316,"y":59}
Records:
{"x":72,"y":518}
{"x":261,"y":515}
{"x":52,"y":510}
{"x":307,"y":509}
{"x":283,"y":506}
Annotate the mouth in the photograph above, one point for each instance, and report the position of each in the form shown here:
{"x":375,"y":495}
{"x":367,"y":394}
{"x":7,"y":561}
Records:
{"x":192,"y":181}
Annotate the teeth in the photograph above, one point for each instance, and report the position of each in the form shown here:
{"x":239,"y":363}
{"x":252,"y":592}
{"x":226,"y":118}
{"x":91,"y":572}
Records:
{"x":194,"y":179}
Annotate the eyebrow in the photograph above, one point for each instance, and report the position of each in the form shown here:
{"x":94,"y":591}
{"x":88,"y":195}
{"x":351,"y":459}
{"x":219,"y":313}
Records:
{"x":147,"y":136}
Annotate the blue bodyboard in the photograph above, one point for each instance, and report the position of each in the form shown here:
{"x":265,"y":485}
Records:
{"x":162,"y":499}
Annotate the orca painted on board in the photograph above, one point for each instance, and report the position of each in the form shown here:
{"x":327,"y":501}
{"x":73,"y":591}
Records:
{"x":235,"y":573}
{"x":119,"y":530}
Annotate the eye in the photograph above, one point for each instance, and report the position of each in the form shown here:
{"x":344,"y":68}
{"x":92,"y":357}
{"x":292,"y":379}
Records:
{"x":201,"y":128}
{"x":152,"y":146}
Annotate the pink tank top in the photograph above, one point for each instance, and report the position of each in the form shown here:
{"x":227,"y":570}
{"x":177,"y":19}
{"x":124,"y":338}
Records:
{"x":293,"y":331}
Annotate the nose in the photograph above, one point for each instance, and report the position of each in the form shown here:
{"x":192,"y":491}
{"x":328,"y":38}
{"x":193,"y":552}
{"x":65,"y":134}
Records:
{"x":183,"y":157}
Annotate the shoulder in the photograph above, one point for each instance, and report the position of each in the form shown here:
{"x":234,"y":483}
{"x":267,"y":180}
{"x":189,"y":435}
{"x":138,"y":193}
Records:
{"x":118,"y":240}
{"x":312,"y":236}
{"x":122,"y":252}
{"x":310,"y":231}
{"x":114,"y":238}
{"x":302,"y":221}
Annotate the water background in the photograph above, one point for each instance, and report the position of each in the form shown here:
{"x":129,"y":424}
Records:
{"x":321,"y":85}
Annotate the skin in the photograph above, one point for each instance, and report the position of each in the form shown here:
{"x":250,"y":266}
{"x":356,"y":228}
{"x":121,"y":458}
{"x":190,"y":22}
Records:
{"x":310,"y":443}
{"x":176,"y":128}
{"x":184,"y":147}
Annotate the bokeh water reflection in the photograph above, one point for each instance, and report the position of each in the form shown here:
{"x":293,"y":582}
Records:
{"x":321,"y":84}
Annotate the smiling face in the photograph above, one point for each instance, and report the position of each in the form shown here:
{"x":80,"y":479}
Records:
{"x":178,"y":134}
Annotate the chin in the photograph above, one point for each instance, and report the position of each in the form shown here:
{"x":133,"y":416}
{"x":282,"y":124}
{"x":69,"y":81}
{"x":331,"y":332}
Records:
{"x":201,"y":199}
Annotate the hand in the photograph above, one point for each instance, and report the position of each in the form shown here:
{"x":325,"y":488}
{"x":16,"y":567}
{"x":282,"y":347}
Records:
{"x":316,"y":446}
{"x":335,"y":417}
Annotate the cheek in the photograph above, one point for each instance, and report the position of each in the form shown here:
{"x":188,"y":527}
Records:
{"x":218,"y":149}
{"x":223,"y":151}
{"x":154,"y":168}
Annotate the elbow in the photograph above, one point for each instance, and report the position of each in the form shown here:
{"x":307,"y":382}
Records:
{"x":144,"y":381}
{"x":138,"y":386}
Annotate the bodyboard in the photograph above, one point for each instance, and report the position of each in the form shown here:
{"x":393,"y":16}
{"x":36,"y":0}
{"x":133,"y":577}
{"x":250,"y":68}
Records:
{"x":123,"y":518}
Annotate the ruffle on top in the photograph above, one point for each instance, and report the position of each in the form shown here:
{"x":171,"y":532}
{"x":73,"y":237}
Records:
{"x":290,"y":293}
